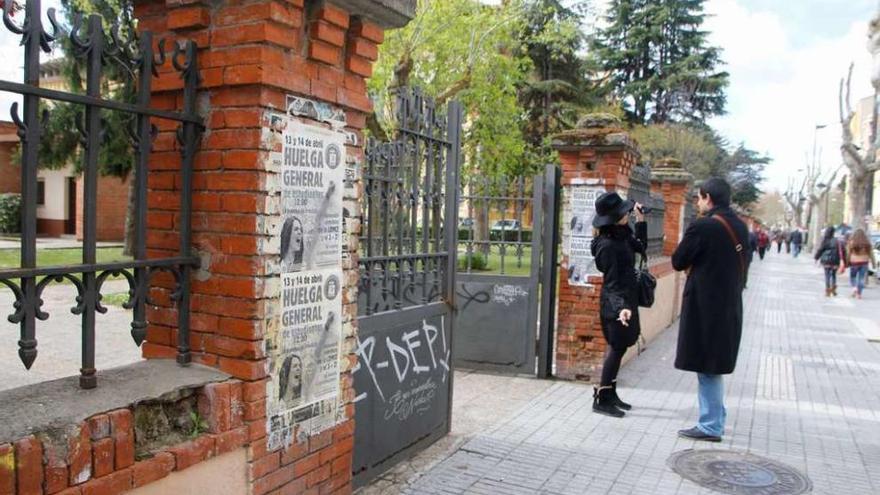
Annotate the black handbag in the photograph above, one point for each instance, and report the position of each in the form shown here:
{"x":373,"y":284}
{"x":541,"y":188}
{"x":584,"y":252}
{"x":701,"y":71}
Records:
{"x":646,"y":283}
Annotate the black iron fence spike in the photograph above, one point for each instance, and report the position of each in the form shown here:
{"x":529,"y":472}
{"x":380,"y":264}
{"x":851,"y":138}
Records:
{"x":22,"y":127}
{"x":78,"y":42}
{"x":8,"y":7}
{"x":16,"y":316}
{"x":47,"y":39}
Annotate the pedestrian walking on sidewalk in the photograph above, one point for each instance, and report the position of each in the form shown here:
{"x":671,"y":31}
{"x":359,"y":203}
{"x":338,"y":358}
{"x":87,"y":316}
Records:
{"x":797,"y":242}
{"x":763,"y":242}
{"x":715,"y":253}
{"x":831,"y":255}
{"x":614,"y":248}
{"x":859,"y":254}
{"x":787,"y":239}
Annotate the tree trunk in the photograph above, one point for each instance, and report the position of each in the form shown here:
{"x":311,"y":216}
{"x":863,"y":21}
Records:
{"x":808,"y":215}
{"x":815,"y":225}
{"x":128,"y":249}
{"x":858,"y":187}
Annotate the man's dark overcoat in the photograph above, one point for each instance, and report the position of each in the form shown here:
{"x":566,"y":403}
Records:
{"x":711,"y":311}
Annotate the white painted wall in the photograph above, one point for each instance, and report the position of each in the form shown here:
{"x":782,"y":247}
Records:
{"x":56,"y":193}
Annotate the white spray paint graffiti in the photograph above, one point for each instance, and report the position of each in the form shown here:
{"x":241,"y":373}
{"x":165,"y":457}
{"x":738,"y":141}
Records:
{"x":412,"y":355}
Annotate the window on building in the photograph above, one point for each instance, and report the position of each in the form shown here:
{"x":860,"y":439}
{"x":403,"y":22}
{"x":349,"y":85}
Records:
{"x":41,"y":192}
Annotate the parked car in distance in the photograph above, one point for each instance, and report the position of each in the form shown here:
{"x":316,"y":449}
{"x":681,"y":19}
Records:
{"x":465,"y":223}
{"x":506,"y":225}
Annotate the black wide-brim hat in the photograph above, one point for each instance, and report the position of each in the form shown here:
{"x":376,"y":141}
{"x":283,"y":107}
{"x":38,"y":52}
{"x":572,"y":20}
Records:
{"x":610,"y":208}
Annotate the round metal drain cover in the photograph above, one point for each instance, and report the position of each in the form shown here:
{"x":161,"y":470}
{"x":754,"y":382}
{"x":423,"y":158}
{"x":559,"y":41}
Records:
{"x":728,"y":471}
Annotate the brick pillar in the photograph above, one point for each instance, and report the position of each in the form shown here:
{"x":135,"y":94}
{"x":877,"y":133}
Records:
{"x":675,"y":184}
{"x":599,"y":154}
{"x":264,"y":65}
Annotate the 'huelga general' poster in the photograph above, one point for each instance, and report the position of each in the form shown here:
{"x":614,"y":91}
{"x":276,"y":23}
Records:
{"x":304,"y":352}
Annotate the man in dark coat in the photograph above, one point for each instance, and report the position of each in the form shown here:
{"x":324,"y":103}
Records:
{"x":715,"y":251}
{"x":797,"y":240}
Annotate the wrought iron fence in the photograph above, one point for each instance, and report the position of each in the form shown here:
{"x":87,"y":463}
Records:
{"x":137,"y":59}
{"x":690,"y":210}
{"x":496,"y":231}
{"x":404,"y":247}
{"x":640,"y":191}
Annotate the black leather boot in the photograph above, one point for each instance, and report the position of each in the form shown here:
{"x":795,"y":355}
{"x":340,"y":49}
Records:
{"x":616,"y":399}
{"x":603,"y":402}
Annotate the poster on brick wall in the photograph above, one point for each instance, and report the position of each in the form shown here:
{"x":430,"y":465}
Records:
{"x":579,"y":229}
{"x":304,"y":345}
{"x":312,"y":175}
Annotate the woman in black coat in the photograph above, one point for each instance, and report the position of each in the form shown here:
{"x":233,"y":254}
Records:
{"x":614,"y":249}
{"x":831,"y":254}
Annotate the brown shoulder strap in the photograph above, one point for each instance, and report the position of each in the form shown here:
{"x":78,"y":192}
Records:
{"x":736,"y":244}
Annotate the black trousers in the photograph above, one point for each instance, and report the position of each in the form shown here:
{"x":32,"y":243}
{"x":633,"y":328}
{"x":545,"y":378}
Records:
{"x":613,"y":357}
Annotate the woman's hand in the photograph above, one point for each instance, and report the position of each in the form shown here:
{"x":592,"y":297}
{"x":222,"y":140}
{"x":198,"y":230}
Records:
{"x":624,"y":317}
{"x":640,"y":217}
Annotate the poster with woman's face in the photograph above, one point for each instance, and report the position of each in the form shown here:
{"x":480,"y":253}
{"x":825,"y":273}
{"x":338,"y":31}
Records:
{"x":305,"y":344}
{"x":312,"y":179}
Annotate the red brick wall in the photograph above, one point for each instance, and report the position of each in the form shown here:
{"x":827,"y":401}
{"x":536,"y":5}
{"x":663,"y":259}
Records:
{"x":10,"y":173}
{"x":580,"y":345}
{"x":98,"y":458}
{"x":112,"y":207}
{"x":675,"y":195}
{"x":251,"y":56}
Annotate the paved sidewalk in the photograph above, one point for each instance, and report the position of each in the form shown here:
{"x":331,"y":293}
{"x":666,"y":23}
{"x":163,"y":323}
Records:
{"x":806,"y":392}
{"x":59,"y":337}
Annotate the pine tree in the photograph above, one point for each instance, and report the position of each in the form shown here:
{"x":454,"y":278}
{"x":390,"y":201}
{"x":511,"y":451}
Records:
{"x":557,"y":89}
{"x":653,"y":56}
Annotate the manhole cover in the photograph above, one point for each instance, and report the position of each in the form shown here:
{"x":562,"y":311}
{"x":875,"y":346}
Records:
{"x":728,"y":471}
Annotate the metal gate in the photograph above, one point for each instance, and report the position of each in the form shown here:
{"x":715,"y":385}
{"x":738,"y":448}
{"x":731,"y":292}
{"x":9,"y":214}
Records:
{"x":508,"y":233}
{"x":403,"y":378}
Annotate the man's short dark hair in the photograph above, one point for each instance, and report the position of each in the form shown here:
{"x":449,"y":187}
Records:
{"x":717,"y":189}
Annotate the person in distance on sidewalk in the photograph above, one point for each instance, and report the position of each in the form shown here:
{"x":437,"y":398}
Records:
{"x":614,"y":248}
{"x":715,"y":251}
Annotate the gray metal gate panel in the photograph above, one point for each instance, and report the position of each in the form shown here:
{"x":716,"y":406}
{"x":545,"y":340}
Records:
{"x":495,"y":325}
{"x":403,"y":381}
{"x":505,"y":323}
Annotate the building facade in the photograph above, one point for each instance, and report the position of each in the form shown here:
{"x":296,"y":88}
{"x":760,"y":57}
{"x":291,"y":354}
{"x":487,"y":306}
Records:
{"x":59,"y":206}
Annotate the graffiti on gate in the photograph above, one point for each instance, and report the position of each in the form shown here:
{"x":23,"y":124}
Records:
{"x":405,"y":368}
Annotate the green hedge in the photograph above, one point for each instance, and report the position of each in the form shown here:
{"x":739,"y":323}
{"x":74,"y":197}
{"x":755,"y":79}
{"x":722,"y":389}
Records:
{"x":495,"y":235}
{"x":476,"y":260}
{"x":10,"y":213}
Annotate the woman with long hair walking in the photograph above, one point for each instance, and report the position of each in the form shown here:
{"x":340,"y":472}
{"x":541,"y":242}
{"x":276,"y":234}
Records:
{"x":831,"y":254}
{"x":860,"y":253}
{"x":614,"y":248}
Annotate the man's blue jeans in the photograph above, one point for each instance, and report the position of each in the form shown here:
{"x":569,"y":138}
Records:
{"x":797,"y":249}
{"x":713,"y":414}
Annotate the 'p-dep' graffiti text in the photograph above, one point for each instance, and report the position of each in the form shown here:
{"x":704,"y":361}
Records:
{"x":412,"y":353}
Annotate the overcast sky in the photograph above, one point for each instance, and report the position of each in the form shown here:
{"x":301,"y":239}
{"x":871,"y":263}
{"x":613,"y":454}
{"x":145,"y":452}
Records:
{"x":785,"y":65}
{"x":785,"y":60}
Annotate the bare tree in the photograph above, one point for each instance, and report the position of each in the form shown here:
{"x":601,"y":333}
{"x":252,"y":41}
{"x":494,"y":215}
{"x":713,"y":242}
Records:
{"x":861,"y":163}
{"x":795,"y":198}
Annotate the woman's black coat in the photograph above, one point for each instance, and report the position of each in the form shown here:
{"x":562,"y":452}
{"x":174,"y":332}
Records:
{"x":711,"y":310}
{"x":614,"y":250}
{"x":832,"y":244}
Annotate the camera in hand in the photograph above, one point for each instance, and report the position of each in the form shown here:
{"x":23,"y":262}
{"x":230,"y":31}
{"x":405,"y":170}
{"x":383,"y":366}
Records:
{"x":644,"y":210}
